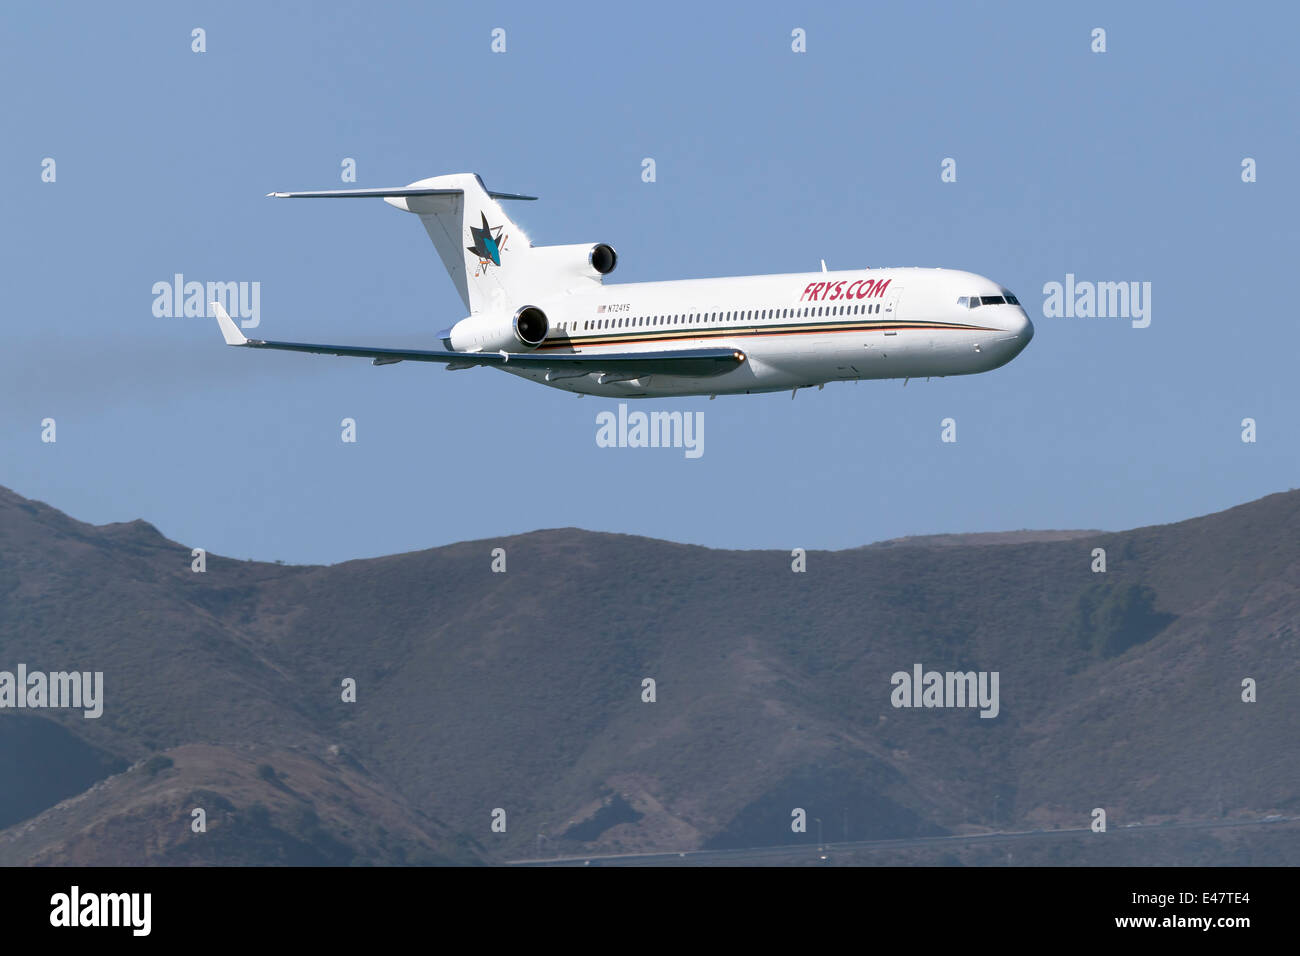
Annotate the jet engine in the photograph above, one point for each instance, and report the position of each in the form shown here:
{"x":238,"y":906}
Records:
{"x":602,"y":258}
{"x":526,"y":328}
{"x":581,"y":261}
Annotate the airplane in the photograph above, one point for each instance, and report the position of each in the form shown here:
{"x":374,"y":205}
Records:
{"x":545,"y":314}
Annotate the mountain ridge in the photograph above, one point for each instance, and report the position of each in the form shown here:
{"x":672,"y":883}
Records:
{"x":522,"y":691}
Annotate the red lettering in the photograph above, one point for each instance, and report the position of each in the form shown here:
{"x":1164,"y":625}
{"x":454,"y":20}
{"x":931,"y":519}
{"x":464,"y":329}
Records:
{"x":866,"y":288}
{"x":848,"y":293}
{"x":880,"y":287}
{"x":807,"y":289}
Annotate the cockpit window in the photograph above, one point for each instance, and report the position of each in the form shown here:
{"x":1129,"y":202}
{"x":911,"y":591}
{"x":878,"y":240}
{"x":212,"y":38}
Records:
{"x":975,"y":301}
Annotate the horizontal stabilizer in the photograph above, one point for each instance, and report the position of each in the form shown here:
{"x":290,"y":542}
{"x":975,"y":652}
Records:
{"x":486,"y":254}
{"x":397,"y":192}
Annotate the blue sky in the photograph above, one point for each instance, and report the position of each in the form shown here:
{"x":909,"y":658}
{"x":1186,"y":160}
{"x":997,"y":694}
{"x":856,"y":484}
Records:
{"x":1122,"y":166}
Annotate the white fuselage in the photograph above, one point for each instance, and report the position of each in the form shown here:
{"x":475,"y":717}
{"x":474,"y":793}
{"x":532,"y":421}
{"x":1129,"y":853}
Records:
{"x":796,"y":330}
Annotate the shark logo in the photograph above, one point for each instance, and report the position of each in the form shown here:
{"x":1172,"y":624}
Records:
{"x":487,"y":242}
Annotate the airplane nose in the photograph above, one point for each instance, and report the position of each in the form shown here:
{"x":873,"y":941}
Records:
{"x":1017,"y":333}
{"x":1027,"y":332}
{"x":1023,"y":331}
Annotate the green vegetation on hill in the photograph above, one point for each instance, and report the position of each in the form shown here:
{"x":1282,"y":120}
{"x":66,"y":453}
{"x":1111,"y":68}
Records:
{"x":1111,"y":618}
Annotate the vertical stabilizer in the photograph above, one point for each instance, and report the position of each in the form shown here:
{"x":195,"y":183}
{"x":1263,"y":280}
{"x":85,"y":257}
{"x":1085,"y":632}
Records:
{"x":483,"y":250}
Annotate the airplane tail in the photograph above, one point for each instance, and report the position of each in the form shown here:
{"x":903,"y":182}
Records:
{"x":483,"y":250}
{"x":489,"y":258}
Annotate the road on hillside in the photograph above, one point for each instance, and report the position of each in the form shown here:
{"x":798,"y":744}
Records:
{"x":804,"y":851}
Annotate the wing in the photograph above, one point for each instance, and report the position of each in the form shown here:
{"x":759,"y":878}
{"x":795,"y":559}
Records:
{"x":692,"y":363}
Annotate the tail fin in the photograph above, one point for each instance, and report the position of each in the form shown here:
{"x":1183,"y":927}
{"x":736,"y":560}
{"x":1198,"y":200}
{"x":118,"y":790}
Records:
{"x":483,"y":250}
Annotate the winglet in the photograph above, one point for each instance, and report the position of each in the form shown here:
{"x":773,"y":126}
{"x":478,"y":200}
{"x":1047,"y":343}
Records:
{"x":229,"y":331}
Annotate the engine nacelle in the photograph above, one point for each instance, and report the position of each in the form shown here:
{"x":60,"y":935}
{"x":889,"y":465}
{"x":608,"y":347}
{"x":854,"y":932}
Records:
{"x":526,"y":328}
{"x":583,"y":260}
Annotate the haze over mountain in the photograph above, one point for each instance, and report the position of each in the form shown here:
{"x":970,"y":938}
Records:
{"x":523,"y":691}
